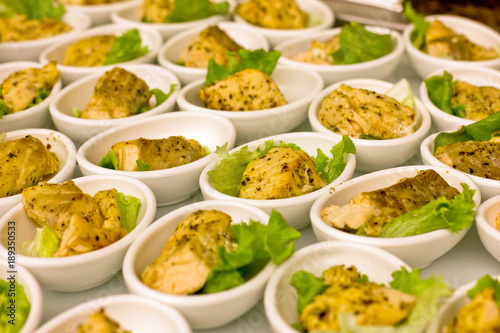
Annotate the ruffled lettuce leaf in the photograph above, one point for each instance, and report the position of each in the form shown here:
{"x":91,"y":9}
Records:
{"x":45,"y":243}
{"x":33,"y":9}
{"x":402,"y":92}
{"x":185,"y":11}
{"x":3,"y":108}
{"x":356,"y":45}
{"x":455,"y":214}
{"x":483,"y":283}
{"x":307,"y":286}
{"x":440,"y":91}
{"x":143,"y":166}
{"x":257,"y":244}
{"x":126,"y":47}
{"x":39,"y":97}
{"x":337,"y":163}
{"x":22,"y":307}
{"x":109,"y":161}
{"x":129,"y":210}
{"x":418,"y":34}
{"x":160,"y":96}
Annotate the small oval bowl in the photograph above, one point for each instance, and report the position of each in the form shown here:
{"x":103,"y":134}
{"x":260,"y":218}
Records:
{"x":478,"y":76}
{"x":151,"y":39}
{"x":373,"y":69}
{"x":131,"y":312}
{"x":86,"y":270}
{"x":489,"y":187}
{"x":79,"y":93}
{"x":33,"y":293}
{"x":35,"y":116}
{"x":298,"y":86}
{"x":372,"y":155}
{"x":60,"y":144}
{"x":31,"y":49}
{"x":169,"y":185}
{"x":101,"y":14}
{"x":280,"y":298}
{"x":170,"y":52}
{"x":320,"y":11}
{"x":476,"y":32}
{"x":485,"y":223}
{"x":131,"y":17}
{"x":417,"y":251}
{"x":205,"y":310}
{"x":296,"y":209}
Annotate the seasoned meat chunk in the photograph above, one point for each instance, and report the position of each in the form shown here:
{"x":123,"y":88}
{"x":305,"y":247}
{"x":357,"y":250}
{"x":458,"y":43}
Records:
{"x":478,"y":158}
{"x":375,"y":208}
{"x":247,"y":90}
{"x":89,"y":52}
{"x":19,"y":28}
{"x":20,"y":89}
{"x":319,"y":53}
{"x":190,"y":253}
{"x":480,"y":102}
{"x":157,"y":10}
{"x":443,"y":42}
{"x":212,"y":42}
{"x":160,"y":154}
{"x":117,"y":94}
{"x":281,"y":173}
{"x":99,"y":322}
{"x":23,"y":163}
{"x":276,"y":14}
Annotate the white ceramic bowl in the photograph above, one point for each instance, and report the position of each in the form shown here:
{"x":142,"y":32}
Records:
{"x":486,"y":222}
{"x":132,"y":312}
{"x":205,"y":310}
{"x":79,"y":93}
{"x":60,"y":144}
{"x":318,"y":11}
{"x":295,"y":210}
{"x":150,"y":38}
{"x":477,"y":76}
{"x":476,"y":32}
{"x":417,"y":251}
{"x":298,"y":86}
{"x":169,"y":185}
{"x":170,"y":52}
{"x":86,"y":270}
{"x":375,"y":155}
{"x":488,"y":187}
{"x":31,"y":49}
{"x":35,"y":116}
{"x":374,"y":69}
{"x":33,"y":293}
{"x":280,"y":298}
{"x":101,"y":14}
{"x":131,"y":17}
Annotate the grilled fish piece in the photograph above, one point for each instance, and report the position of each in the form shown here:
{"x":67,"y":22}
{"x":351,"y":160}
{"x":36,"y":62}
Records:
{"x":443,"y":42}
{"x":361,"y":113}
{"x":247,"y":90}
{"x":212,"y":42}
{"x":18,"y":28}
{"x":19,"y":89}
{"x":23,"y":163}
{"x":157,"y":10}
{"x":276,"y":14}
{"x":99,"y":322}
{"x":478,"y":158}
{"x":373,"y":209}
{"x":319,"y":53}
{"x":281,"y":173}
{"x":160,"y":153}
{"x":480,"y":102}
{"x":117,"y":94}
{"x":190,"y":253}
{"x":89,"y":52}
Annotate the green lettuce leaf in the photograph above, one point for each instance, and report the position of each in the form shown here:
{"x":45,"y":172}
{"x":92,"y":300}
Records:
{"x":3,"y":108}
{"x":126,"y":47}
{"x":339,"y":158}
{"x":258,"y":59}
{"x":45,"y":243}
{"x":22,"y":306}
{"x":143,"y":166}
{"x":418,"y":34}
{"x":402,"y":92}
{"x":33,"y":9}
{"x":39,"y":97}
{"x":185,"y":11}
{"x":359,"y":45}
{"x":483,"y":283}
{"x":160,"y":96}
{"x":440,"y":91}
{"x":129,"y":210}
{"x":455,"y":214}
{"x":307,"y":286}
{"x":109,"y":161}
{"x":257,"y":244}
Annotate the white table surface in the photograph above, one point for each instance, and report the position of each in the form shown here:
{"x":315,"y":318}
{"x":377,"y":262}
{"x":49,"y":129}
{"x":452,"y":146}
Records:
{"x":466,"y":262}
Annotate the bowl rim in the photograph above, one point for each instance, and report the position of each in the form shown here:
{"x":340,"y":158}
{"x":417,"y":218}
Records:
{"x":55,"y":112}
{"x":207,"y":187}
{"x":87,"y":258}
{"x":133,"y":281}
{"x":387,"y":243}
{"x":163,"y":173}
{"x":256,"y":114}
{"x":396,"y":52}
{"x":422,"y":130}
{"x":481,"y":221}
{"x":93,"y":9}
